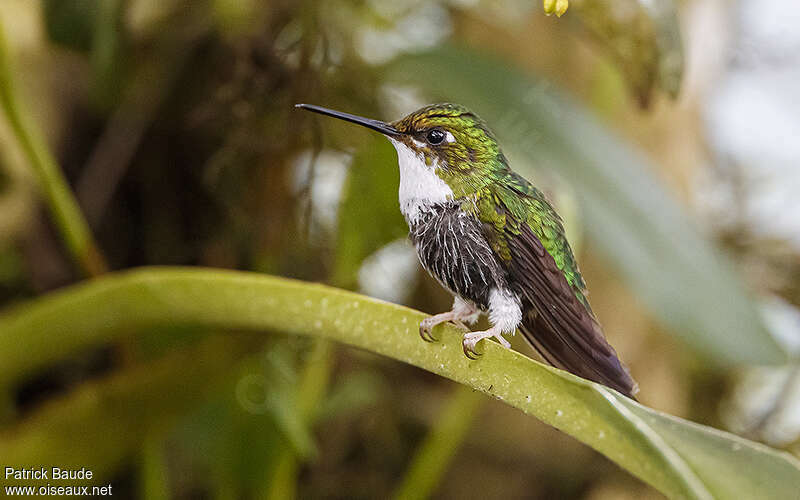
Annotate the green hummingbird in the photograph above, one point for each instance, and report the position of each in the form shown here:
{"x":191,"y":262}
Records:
{"x":494,"y":241}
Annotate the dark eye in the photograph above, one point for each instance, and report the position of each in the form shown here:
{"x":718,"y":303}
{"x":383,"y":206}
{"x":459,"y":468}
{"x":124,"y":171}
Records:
{"x":435,"y":136}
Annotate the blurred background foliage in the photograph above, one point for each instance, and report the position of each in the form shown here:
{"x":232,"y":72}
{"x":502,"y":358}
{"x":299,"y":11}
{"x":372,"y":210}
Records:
{"x":664,"y":133}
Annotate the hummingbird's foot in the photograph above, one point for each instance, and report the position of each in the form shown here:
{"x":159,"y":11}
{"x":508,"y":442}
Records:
{"x":471,"y":340}
{"x":427,"y":324}
{"x":462,"y":312}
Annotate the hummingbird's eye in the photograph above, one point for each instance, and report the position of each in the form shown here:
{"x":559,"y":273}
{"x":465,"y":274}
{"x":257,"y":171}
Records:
{"x":435,"y":136}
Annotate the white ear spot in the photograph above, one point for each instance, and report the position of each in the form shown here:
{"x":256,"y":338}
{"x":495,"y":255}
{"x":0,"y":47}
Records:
{"x":448,"y":137}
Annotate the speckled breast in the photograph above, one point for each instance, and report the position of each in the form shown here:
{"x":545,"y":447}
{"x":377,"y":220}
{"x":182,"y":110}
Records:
{"x":451,"y":247}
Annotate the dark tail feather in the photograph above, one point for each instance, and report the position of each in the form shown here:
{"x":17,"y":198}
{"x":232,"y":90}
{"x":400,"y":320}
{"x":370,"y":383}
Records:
{"x":599,"y":363}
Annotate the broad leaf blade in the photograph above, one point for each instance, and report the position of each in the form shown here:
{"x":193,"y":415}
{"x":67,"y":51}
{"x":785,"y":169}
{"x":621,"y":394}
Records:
{"x":725,"y":462}
{"x":629,"y":217}
{"x":681,"y":459}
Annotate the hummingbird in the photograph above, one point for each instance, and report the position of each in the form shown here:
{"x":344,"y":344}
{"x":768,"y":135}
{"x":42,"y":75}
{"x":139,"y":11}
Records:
{"x":494,"y":241}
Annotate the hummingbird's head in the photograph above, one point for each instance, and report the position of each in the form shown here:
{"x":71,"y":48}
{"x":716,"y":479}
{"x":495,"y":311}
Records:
{"x":446,"y":136}
{"x":444,"y":151}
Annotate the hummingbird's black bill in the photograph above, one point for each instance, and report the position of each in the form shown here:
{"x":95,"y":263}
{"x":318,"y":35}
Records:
{"x":382,"y":127}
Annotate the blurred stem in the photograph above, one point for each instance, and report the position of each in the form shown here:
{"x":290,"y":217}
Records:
{"x":60,"y":201}
{"x":154,"y":468}
{"x":437,"y":451}
{"x":145,"y":91}
{"x":107,"y":55}
{"x":283,"y":480}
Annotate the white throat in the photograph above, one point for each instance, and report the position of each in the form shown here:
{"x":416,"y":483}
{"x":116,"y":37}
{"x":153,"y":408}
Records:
{"x":420,"y":187}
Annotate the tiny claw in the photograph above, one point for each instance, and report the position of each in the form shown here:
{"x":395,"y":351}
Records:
{"x":425,"y":329}
{"x":469,"y":349}
{"x":425,"y":334}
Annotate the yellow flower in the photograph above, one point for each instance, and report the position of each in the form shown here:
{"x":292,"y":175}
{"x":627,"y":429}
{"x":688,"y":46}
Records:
{"x":557,"y":7}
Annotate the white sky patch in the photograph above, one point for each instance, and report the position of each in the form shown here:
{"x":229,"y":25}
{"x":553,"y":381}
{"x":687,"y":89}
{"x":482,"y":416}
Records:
{"x":756,"y":394}
{"x":783,"y":321}
{"x":760,"y":388}
{"x":753,"y":122}
{"x":391,"y":273}
{"x":401,"y":100}
{"x":771,"y":26}
{"x":422,"y":26}
{"x":330,"y":173}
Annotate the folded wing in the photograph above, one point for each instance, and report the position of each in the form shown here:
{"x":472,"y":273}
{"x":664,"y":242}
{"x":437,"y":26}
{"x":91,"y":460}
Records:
{"x":556,"y":322}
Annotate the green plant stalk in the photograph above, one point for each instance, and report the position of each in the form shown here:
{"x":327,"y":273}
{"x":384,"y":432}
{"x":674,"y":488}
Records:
{"x":436,"y":452}
{"x":283,"y":481}
{"x":153,"y":475}
{"x":679,"y":458}
{"x":60,"y":201}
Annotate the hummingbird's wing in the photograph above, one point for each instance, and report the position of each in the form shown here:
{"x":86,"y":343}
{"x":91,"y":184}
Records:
{"x":557,"y":319}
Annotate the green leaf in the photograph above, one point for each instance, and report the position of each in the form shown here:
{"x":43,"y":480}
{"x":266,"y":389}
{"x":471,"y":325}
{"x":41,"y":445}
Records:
{"x":436,"y":452}
{"x":368,"y":214}
{"x":680,"y":459}
{"x":70,"y":22}
{"x":643,"y":37}
{"x":629,"y":217}
{"x":102,"y":423}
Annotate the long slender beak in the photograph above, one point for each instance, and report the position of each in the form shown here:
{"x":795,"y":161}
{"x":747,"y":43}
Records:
{"x":382,"y":127}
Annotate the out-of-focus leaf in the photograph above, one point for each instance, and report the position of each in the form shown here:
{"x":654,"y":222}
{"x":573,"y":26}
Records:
{"x":102,"y":423}
{"x":281,"y":479}
{"x":440,"y":445}
{"x":261,"y":425}
{"x":628,"y":215}
{"x":368,"y":215}
{"x":70,"y":22}
{"x":108,"y":52}
{"x":242,"y":444}
{"x":644,"y":38}
{"x":280,"y":378}
{"x":153,"y":469}
{"x":95,"y":27}
{"x":679,"y":458}
{"x":352,"y":393}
